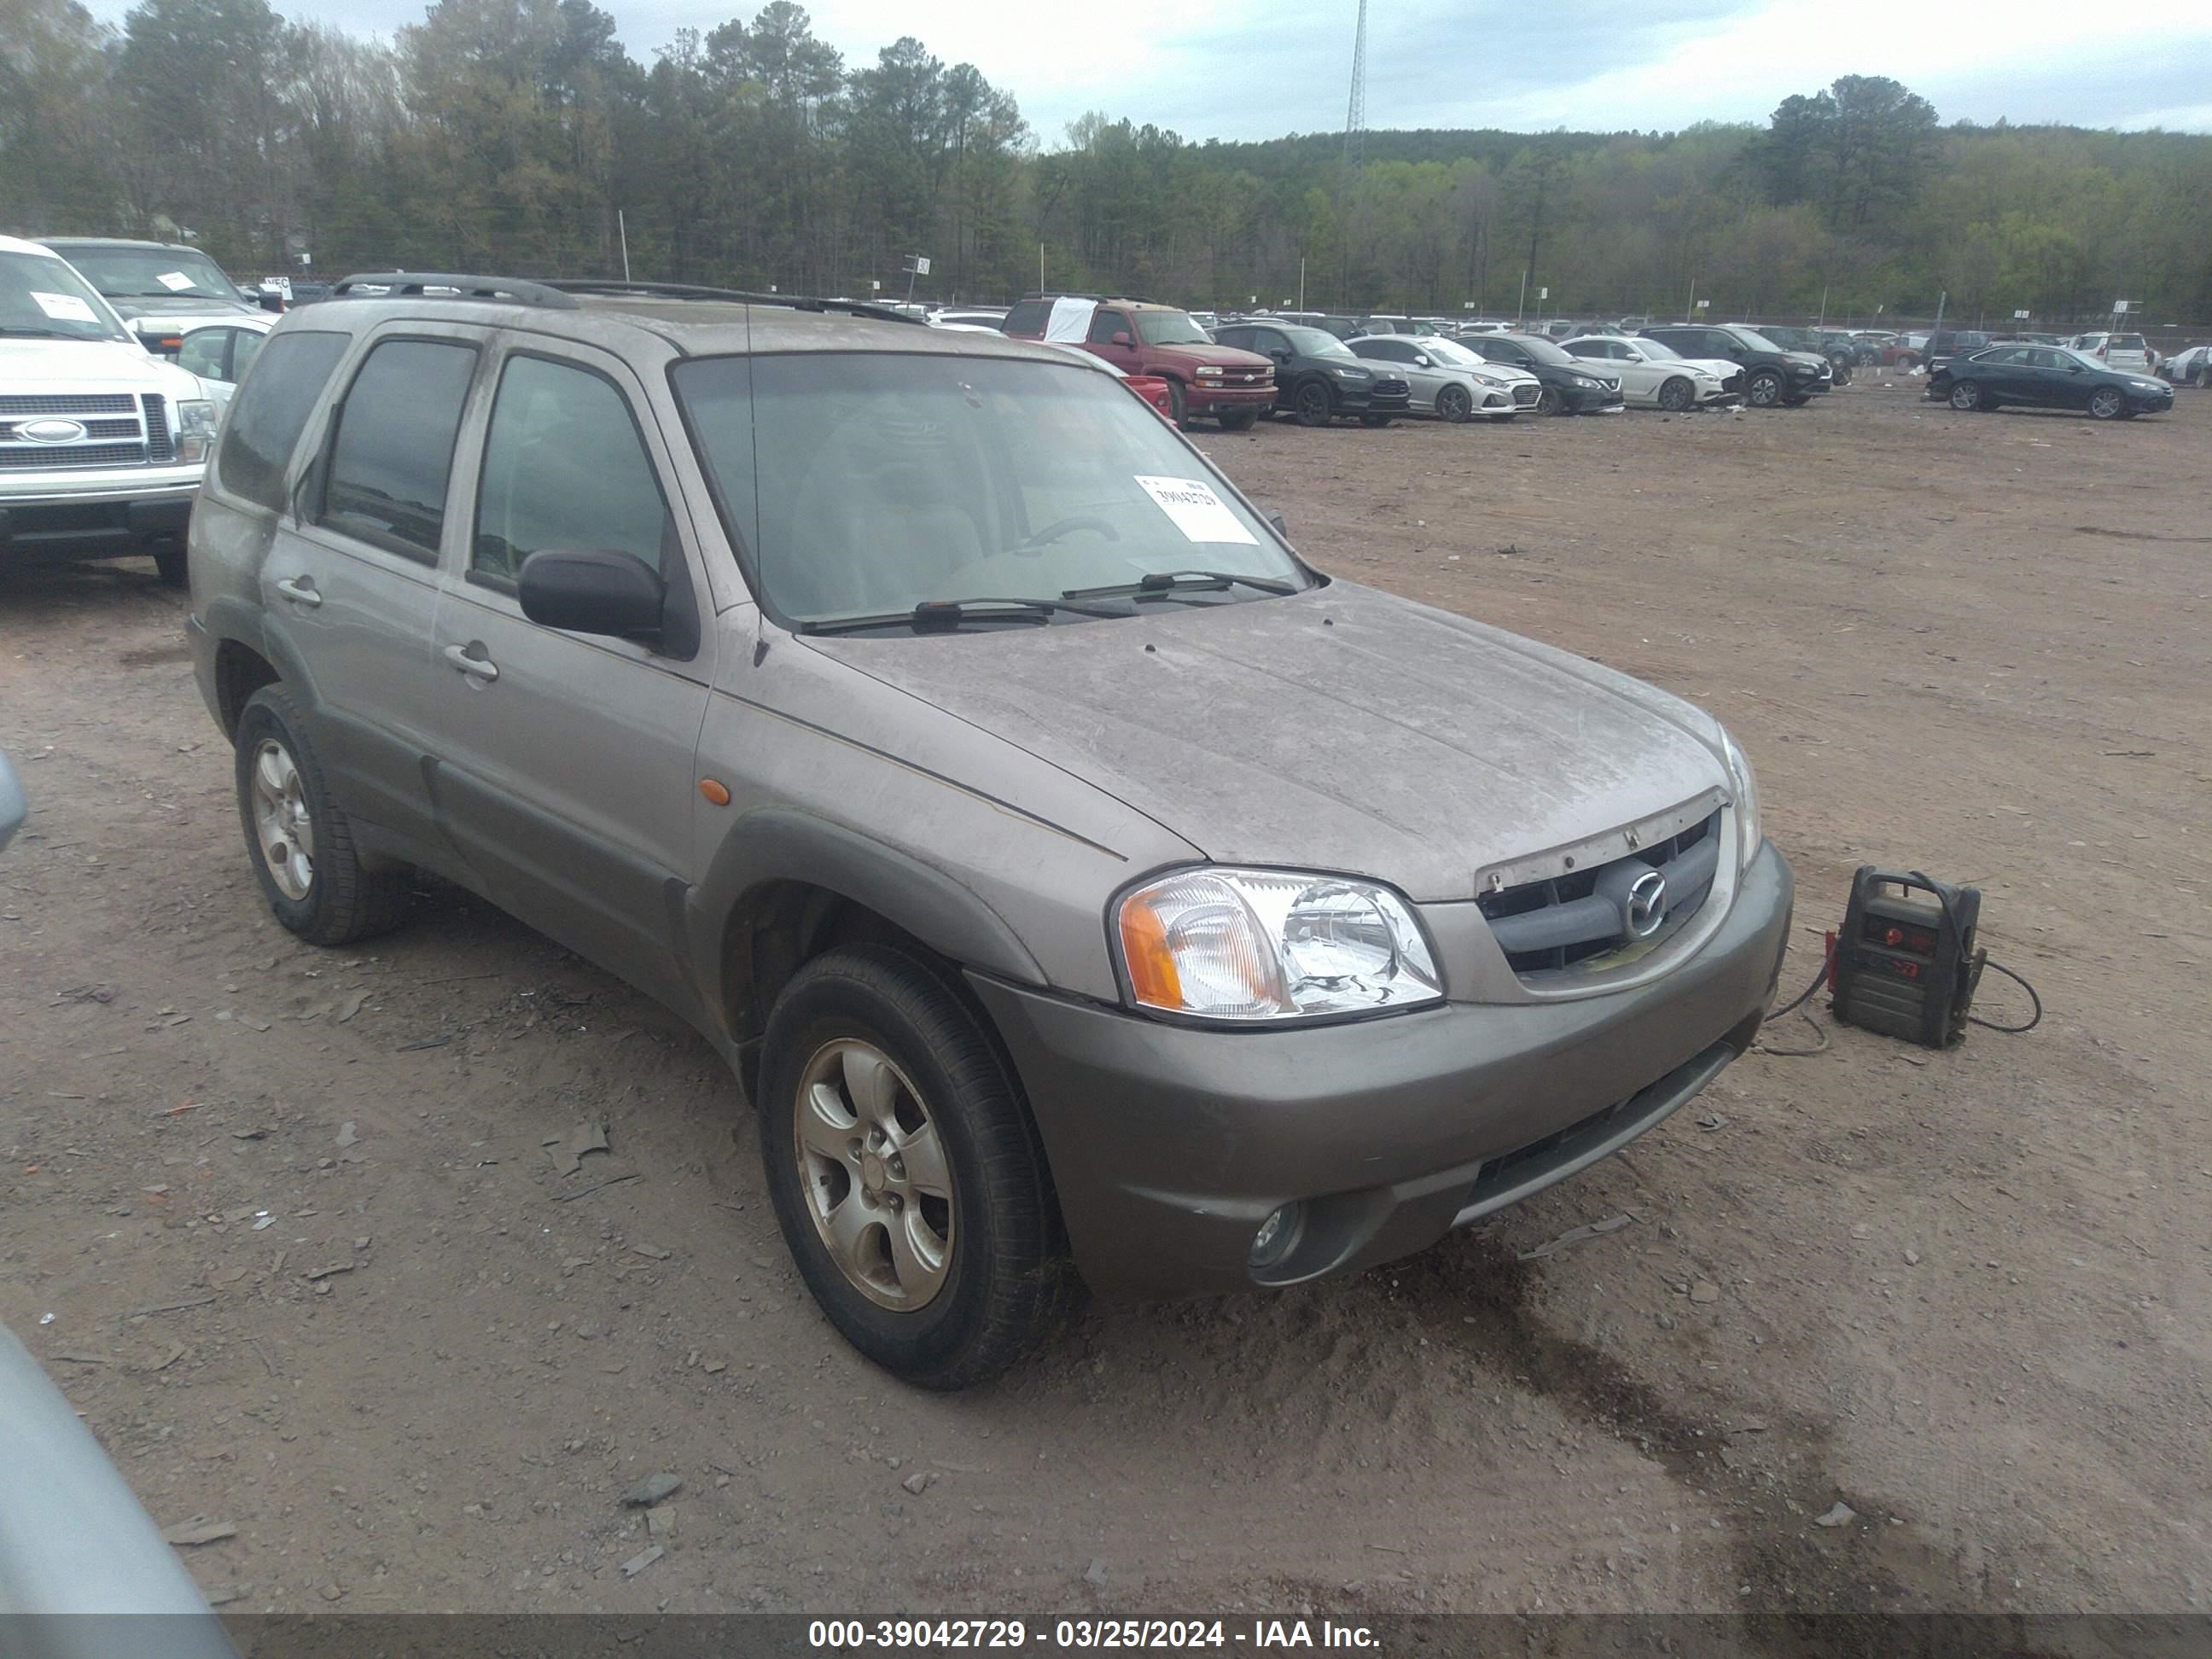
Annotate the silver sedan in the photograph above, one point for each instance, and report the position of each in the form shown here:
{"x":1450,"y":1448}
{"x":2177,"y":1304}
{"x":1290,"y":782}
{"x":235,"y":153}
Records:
{"x":1450,"y":381}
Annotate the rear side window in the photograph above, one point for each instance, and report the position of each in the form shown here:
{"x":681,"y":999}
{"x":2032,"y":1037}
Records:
{"x":394,"y":449}
{"x":269,"y":410}
{"x":1028,"y":317}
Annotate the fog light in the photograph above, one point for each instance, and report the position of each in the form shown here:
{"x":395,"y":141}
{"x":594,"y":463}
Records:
{"x":1278,"y":1236}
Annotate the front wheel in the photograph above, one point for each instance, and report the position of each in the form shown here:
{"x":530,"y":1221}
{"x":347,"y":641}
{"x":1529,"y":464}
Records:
{"x":1312,"y":405}
{"x":2105,"y":404}
{"x":301,"y":840}
{"x":1176,"y":402}
{"x":1764,"y":390}
{"x":1549,"y":401}
{"x":906,"y":1173}
{"x":1454,"y":404}
{"x":1239,"y":420}
{"x":1966,"y":395}
{"x":1677,"y":394}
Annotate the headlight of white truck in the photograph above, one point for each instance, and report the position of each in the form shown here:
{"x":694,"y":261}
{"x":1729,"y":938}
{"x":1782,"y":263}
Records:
{"x":195,"y":431}
{"x":1256,"y":946}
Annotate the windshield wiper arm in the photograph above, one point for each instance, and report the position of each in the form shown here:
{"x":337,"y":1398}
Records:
{"x":941,"y":614}
{"x":1161,"y":583}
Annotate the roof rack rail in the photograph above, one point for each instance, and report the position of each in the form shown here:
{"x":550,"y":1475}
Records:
{"x":1071,"y":293}
{"x":610,"y":287}
{"x":417,"y":284}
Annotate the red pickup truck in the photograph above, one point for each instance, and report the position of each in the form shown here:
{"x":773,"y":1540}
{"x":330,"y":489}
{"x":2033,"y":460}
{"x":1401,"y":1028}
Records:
{"x":1139,"y":337}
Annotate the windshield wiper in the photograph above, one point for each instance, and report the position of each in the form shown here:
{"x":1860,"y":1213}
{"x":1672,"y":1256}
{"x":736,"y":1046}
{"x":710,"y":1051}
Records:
{"x":39,"y":333}
{"x":1159,"y":583}
{"x":938,"y":615}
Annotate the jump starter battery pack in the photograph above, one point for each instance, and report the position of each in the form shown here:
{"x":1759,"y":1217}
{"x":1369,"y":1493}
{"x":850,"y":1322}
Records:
{"x":1907,"y":965}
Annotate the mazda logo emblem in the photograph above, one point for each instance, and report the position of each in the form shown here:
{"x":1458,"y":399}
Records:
{"x":1647,"y":905}
{"x":50,"y":432}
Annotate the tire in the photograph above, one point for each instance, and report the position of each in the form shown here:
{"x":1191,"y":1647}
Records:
{"x":1764,"y":390}
{"x":1549,"y":401}
{"x":1677,"y":394}
{"x":1312,"y":405}
{"x":320,"y":891}
{"x":1454,"y":404}
{"x":2105,"y":404}
{"x":1177,"y":405}
{"x":1842,"y":370}
{"x":1377,"y":419}
{"x":1239,"y":420}
{"x":170,"y":564}
{"x":985,"y":1277}
{"x":1965,"y":396}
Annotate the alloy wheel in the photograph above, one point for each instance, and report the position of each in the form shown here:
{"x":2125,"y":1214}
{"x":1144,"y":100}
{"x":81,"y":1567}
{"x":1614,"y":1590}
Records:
{"x":283,"y":828}
{"x":874,"y":1172}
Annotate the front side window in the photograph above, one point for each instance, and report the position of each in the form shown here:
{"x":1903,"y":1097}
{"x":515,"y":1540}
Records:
{"x":394,"y":448}
{"x":563,"y":467}
{"x":206,"y":352}
{"x":1105,"y":324}
{"x":863,"y":484}
{"x":271,"y":407}
{"x":41,"y":298}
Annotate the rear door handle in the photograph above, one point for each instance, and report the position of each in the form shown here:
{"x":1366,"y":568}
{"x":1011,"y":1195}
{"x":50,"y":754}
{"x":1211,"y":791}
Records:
{"x":300,"y":590}
{"x":476,"y":667}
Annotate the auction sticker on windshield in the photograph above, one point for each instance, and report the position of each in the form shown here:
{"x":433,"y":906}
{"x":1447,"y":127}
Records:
{"x":1196,"y":510}
{"x":63,"y":307}
{"x":175,"y":281}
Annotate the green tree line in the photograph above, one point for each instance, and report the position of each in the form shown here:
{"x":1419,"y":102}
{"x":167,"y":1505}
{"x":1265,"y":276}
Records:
{"x":518,"y":136}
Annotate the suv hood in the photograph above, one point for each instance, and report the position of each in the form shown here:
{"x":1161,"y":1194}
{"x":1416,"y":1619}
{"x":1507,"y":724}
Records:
{"x":53,"y":366}
{"x":1340,"y":729}
{"x":1219,"y":356}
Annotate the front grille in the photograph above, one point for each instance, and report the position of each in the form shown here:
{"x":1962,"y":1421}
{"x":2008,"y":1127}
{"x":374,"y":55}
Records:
{"x":1734,"y":382}
{"x":1552,"y":927}
{"x":55,"y":457}
{"x":1390,"y":389}
{"x":158,"y":449}
{"x":118,"y":403}
{"x":1525,"y":395}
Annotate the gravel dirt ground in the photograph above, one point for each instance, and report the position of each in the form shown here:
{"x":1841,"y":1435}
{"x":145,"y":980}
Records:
{"x":285,"y":1225}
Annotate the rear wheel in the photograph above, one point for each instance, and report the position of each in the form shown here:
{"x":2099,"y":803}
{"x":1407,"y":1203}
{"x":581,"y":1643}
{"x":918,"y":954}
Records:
{"x":1763,"y":389}
{"x":2105,"y":404}
{"x":1677,"y":394}
{"x":906,"y":1172}
{"x":301,"y":840}
{"x":1966,"y":395}
{"x":1239,"y":420}
{"x":1312,"y":405}
{"x":1454,"y":404}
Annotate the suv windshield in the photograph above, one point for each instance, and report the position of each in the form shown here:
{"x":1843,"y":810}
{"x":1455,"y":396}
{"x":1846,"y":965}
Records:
{"x":1316,"y":342}
{"x":149,"y":273}
{"x":865,"y":483}
{"x":40,"y":297}
{"x":1752,"y":337}
{"x":1169,"y":328}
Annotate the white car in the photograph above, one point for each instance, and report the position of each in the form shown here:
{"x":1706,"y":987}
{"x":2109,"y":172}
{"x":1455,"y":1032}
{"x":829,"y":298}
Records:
{"x":2127,"y":352}
{"x":1659,"y":377}
{"x":1449,"y":380}
{"x":101,"y":443}
{"x":2192,"y":366}
{"x":218,"y":353}
{"x":987,"y":317}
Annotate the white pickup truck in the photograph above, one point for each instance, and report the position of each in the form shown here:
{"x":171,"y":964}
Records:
{"x":101,"y":443}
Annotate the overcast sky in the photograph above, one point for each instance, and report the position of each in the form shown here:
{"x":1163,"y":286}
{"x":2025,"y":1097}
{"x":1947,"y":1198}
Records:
{"x":1258,"y":68}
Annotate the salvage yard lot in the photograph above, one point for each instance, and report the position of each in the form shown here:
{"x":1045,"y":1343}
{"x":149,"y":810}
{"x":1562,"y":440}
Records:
{"x":1966,"y":1295}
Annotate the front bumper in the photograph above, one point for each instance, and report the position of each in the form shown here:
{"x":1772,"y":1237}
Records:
{"x":1169,"y":1144}
{"x":1206,"y":395}
{"x":93,"y":522}
{"x":1592,"y":399}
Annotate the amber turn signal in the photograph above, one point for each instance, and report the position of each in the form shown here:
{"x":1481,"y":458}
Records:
{"x":713,"y":790}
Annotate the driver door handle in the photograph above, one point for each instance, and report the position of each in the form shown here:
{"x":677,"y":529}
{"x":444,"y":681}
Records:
{"x":300,"y":590}
{"x":476,"y":667}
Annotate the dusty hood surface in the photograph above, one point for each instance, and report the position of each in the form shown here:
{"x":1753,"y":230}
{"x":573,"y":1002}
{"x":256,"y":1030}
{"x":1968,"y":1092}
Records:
{"x":61,"y":366}
{"x":1341,"y":729}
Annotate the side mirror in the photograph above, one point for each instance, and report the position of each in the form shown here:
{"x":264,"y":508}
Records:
{"x":1421,"y":360}
{"x":592,"y":590}
{"x":272,"y":302}
{"x":1280,"y":354}
{"x":1121,"y":337}
{"x":1275,"y":523}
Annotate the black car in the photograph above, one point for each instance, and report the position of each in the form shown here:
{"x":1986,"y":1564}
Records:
{"x":1316,"y":377}
{"x":1840,"y":352}
{"x":2047,"y":377}
{"x":1571,"y":386}
{"x":1772,"y":373}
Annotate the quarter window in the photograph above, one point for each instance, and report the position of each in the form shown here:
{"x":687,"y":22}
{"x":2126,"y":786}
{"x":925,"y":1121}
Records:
{"x":563,"y":467}
{"x":394,"y":449}
{"x":269,"y":410}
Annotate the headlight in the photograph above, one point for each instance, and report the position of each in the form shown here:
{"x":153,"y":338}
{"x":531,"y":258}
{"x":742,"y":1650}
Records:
{"x":1251,"y":947}
{"x":1352,"y":373}
{"x":1584,"y":379}
{"x":195,"y":431}
{"x":1205,"y":369}
{"x":1747,"y":799}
